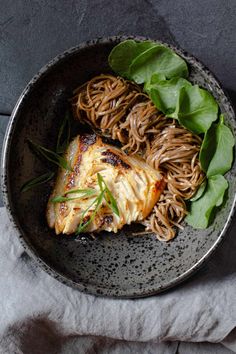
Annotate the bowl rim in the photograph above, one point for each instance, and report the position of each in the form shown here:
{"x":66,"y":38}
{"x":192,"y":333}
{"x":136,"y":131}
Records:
{"x":29,"y":248}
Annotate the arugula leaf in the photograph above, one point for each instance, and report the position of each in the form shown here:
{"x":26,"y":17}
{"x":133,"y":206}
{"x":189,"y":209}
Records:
{"x":208,"y":147}
{"x":158,"y":59}
{"x":193,"y":107}
{"x":201,"y":209}
{"x":153,"y":64}
{"x":196,"y":109}
{"x":165,"y":93}
{"x":216,"y":154}
{"x":110,"y":200}
{"x":50,"y":155}
{"x":200,"y":191}
{"x":124,"y":53}
{"x":156,"y":78}
{"x":139,"y":60}
{"x":34,"y":182}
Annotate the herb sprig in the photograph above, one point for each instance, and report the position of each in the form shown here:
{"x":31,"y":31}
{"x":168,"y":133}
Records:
{"x":82,"y":226}
{"x":106,"y":194}
{"x":50,"y":155}
{"x":54,"y":157}
{"x":34,"y":182}
{"x":110,"y":200}
{"x":84,"y":193}
{"x":65,"y":129}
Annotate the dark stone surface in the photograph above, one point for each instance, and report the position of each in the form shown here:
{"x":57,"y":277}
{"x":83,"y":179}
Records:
{"x":32,"y":32}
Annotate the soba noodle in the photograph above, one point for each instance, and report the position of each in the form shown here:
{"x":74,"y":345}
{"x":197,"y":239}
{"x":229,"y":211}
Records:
{"x":119,"y":109}
{"x":104,"y":101}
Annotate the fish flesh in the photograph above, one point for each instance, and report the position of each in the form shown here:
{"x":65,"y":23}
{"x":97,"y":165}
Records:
{"x":134,"y":184}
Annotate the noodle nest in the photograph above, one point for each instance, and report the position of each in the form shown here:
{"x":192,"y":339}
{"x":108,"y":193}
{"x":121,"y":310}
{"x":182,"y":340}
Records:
{"x":120,"y":110}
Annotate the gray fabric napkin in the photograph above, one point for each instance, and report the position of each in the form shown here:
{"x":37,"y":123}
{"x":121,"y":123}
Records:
{"x":38,"y":314}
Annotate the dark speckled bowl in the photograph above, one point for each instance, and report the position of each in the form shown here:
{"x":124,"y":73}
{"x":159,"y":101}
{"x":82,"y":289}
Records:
{"x":114,"y":265}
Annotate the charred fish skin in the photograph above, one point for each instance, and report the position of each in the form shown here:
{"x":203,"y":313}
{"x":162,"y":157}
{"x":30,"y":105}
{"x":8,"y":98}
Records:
{"x":135,"y":186}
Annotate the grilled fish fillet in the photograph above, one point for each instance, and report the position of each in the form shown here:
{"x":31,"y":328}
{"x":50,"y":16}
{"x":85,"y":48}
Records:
{"x":135,"y":186}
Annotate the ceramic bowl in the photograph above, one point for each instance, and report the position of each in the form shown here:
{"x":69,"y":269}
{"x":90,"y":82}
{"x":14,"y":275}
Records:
{"x":118,"y":265}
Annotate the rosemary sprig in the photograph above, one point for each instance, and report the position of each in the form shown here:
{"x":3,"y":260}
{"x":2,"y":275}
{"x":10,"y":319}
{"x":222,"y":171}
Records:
{"x":50,"y":155}
{"x":64,"y":198}
{"x":34,"y":182}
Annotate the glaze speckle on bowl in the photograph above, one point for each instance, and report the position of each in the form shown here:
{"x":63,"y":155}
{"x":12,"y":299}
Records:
{"x":119,"y":265}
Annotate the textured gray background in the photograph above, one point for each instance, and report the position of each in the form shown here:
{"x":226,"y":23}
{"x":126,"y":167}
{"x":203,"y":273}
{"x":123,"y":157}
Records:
{"x":33,"y":31}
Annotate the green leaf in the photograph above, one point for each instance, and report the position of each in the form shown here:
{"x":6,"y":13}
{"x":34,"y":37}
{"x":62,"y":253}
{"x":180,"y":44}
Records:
{"x":196,"y":109}
{"x":50,"y":155}
{"x":124,"y":53}
{"x":165,"y":93}
{"x":156,"y":78}
{"x":216,"y":155}
{"x":208,"y":147}
{"x":87,"y":191}
{"x":64,"y":130}
{"x":110,"y":200}
{"x":100,"y":182}
{"x":153,"y":64}
{"x":160,"y":60}
{"x":201,"y":209}
{"x":34,"y":182}
{"x":200,"y":191}
{"x":63,"y":198}
{"x":82,"y":226}
{"x":193,"y":107}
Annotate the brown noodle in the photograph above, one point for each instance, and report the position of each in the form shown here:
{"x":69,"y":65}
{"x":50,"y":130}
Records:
{"x":119,"y":109}
{"x":104,"y":101}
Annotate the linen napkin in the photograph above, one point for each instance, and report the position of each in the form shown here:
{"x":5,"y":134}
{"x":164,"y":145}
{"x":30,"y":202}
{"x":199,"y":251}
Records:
{"x":39,"y":315}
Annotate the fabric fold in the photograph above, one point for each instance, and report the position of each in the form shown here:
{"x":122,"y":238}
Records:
{"x":202,"y":309}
